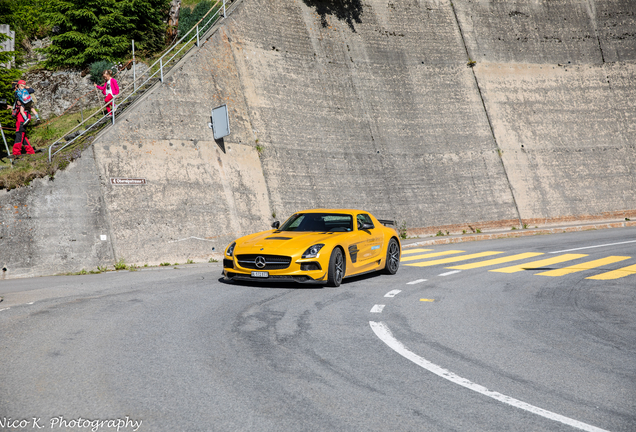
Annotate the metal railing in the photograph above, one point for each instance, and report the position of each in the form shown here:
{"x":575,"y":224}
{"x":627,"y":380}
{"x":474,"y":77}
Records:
{"x":198,"y":29}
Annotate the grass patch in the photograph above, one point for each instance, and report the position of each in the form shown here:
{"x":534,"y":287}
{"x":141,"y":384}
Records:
{"x":47,"y":133}
{"x":190,"y":3}
{"x":121,"y":265}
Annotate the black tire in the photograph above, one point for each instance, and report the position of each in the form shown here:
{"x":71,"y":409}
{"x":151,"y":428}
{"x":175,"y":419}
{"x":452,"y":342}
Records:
{"x":392,"y":262}
{"x":336,"y":268}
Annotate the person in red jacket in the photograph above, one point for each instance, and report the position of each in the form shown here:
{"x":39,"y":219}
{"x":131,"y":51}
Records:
{"x":110,"y":89}
{"x":22,"y":118}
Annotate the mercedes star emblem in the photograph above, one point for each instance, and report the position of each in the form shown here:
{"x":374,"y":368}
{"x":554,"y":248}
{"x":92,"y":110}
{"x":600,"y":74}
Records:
{"x":260,"y":262}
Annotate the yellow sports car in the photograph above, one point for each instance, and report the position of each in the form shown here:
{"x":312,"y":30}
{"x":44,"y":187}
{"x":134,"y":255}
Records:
{"x":320,"y":246}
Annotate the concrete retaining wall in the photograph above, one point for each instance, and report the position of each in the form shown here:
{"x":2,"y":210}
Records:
{"x":55,"y":226}
{"x":471,"y":113}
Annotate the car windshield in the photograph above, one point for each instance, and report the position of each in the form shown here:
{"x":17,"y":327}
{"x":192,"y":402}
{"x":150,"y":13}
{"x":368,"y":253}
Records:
{"x":318,"y":222}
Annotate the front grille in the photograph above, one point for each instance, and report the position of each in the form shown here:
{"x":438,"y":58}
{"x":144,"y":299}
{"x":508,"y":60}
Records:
{"x":272,"y":262}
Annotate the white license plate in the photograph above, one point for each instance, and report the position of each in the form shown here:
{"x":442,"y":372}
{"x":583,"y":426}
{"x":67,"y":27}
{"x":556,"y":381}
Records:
{"x":260,"y":274}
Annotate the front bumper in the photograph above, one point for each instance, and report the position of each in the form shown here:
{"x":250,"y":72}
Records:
{"x":273,"y":278}
{"x":301,"y":271}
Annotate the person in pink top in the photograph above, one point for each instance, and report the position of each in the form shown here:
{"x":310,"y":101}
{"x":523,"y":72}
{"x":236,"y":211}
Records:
{"x":110,"y":89}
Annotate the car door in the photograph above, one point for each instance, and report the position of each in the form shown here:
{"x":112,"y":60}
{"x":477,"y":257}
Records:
{"x":369,"y":240}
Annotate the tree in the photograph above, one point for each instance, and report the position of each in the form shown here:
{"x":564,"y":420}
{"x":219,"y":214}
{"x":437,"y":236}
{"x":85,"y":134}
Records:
{"x":91,"y":30}
{"x":7,"y":76}
{"x":26,"y":18}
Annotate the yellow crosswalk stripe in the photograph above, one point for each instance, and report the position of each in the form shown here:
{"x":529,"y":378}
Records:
{"x":452,"y":259}
{"x":615,"y":274}
{"x":538,"y":264}
{"x":412,"y":251}
{"x":583,"y":266}
{"x":431,"y":255}
{"x":496,"y":261}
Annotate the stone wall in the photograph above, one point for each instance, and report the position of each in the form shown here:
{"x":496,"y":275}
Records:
{"x":7,"y":44}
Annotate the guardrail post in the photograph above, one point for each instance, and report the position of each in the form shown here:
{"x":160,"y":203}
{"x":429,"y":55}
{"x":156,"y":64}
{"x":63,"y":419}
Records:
{"x":134,"y":71}
{"x":161,"y":67}
{"x":5,"y":142}
{"x":223,"y":8}
{"x":197,"y":35}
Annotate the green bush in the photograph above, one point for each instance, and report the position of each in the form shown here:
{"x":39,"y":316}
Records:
{"x":97,"y":69}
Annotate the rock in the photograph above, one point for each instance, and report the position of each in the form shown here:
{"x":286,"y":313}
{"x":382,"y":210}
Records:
{"x":73,"y":135}
{"x":67,"y":91}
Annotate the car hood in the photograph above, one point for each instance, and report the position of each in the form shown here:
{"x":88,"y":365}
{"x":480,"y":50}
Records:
{"x":284,"y":242}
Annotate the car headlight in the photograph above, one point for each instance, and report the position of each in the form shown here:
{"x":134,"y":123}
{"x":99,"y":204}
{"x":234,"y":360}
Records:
{"x":312,"y":252}
{"x":230,"y":250}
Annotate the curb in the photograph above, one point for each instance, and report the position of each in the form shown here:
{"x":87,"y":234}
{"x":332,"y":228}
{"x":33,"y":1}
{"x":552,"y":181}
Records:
{"x":513,"y":234}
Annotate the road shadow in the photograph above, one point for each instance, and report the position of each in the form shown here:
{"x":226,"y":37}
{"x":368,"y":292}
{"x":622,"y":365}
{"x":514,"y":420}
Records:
{"x":348,"y":11}
{"x":271,"y":285}
{"x":297,"y":285}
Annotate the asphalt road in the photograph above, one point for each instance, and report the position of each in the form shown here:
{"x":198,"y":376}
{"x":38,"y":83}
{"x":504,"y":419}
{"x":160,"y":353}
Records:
{"x":429,"y":349}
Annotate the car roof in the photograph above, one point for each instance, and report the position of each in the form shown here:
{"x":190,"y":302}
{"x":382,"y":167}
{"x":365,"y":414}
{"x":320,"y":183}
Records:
{"x":343,"y":211}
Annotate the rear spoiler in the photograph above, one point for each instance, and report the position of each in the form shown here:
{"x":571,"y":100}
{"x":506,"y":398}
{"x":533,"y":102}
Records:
{"x":387,"y":222}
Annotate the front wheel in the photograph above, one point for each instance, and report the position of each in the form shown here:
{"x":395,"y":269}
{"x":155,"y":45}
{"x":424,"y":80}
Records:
{"x":392,"y":263}
{"x":336,"y":268}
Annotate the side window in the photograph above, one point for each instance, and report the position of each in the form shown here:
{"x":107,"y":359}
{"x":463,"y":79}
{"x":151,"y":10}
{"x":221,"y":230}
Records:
{"x":296,"y":223}
{"x":364,"y":218}
{"x":292,"y":223}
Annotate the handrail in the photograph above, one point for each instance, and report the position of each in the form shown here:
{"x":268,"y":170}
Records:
{"x":139,"y":89}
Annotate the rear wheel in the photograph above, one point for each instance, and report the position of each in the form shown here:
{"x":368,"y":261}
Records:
{"x":392,"y":263}
{"x":336,"y":268}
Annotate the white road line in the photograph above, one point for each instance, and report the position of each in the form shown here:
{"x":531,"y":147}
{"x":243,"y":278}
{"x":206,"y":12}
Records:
{"x":392,"y":293}
{"x":449,"y":273}
{"x":377,"y":309}
{"x":383,"y":332}
{"x":4,"y":309}
{"x":416,"y":281}
{"x":597,"y":246}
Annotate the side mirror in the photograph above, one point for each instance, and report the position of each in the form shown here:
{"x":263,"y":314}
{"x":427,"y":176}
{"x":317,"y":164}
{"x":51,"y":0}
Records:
{"x":365,"y":226}
{"x":276,"y":224}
